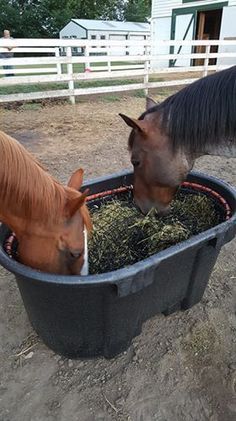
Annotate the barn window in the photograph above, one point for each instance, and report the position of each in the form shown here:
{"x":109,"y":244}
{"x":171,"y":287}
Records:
{"x":102,"y":37}
{"x":93,"y":37}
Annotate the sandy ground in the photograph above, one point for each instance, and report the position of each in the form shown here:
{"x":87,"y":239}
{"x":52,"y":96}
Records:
{"x":181,"y":368}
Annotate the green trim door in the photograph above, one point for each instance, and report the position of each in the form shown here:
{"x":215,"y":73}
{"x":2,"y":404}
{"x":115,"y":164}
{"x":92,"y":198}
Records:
{"x":184,"y":26}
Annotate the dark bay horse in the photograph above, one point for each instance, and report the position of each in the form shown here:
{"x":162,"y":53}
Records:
{"x":166,"y":139}
{"x":50,"y":221}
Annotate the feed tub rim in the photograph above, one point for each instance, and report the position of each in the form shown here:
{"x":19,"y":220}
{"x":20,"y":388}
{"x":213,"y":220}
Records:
{"x":129,"y":271}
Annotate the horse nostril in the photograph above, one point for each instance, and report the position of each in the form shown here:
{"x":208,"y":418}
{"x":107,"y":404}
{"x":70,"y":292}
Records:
{"x":135,"y":162}
{"x":76,"y":254}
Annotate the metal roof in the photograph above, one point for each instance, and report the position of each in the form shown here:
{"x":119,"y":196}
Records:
{"x":109,"y":25}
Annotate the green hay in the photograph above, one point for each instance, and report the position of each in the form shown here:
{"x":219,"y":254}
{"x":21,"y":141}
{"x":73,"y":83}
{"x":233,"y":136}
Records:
{"x":122,"y":236}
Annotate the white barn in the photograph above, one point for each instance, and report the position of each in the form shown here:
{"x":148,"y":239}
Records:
{"x":105,"y":30}
{"x":191,"y":19}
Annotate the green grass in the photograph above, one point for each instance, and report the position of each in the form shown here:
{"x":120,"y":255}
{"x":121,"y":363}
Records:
{"x":32,"y":106}
{"x":139,"y":94}
{"x":39,"y":87}
{"x":77,"y":67}
{"x":16,"y":89}
{"x":111,"y":98}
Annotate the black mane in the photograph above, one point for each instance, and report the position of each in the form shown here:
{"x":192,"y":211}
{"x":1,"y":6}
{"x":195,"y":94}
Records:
{"x":201,"y":114}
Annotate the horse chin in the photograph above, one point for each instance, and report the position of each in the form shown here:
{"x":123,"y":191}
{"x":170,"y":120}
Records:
{"x":164,"y":211}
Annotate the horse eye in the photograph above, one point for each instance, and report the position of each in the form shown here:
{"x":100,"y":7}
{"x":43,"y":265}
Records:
{"x":135,"y":162}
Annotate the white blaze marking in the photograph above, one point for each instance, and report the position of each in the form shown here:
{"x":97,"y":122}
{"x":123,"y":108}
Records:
{"x":85,"y":267}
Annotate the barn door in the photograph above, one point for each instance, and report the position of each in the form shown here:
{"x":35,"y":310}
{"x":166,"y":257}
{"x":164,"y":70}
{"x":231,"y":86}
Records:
{"x":136,"y":48}
{"x":208,"y":27}
{"x":200,"y":35}
{"x":182,"y":29}
{"x":118,"y":50}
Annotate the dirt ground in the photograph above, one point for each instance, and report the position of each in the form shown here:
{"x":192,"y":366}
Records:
{"x":181,"y":368}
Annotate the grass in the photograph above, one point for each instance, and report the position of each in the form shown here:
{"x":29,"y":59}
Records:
{"x":111,"y":98}
{"x":139,"y":93}
{"x":77,"y":68}
{"x":17,"y":89}
{"x":39,"y":87}
{"x":32,"y":106}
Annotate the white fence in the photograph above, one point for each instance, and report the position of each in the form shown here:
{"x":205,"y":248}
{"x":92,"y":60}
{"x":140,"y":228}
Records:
{"x":43,"y":62}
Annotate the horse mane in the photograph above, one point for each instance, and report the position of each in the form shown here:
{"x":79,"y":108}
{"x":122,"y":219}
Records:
{"x":27,"y":190}
{"x":201,"y":114}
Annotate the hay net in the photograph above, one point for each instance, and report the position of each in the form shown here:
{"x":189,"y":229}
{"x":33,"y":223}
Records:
{"x":123,"y":236}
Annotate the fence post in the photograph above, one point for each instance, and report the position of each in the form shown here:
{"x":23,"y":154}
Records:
{"x":206,"y":60}
{"x":108,"y":60}
{"x":70,"y":74}
{"x":86,"y":53}
{"x":57,"y":54}
{"x":146,"y":68}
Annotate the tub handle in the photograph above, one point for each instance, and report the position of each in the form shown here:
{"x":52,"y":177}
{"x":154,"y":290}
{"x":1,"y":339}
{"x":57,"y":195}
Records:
{"x":135,"y":283}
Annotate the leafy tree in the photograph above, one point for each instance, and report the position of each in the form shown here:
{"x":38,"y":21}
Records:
{"x":54,"y":15}
{"x":23,"y":18}
{"x":45,"y":18}
{"x":99,"y":9}
{"x":137,"y":10}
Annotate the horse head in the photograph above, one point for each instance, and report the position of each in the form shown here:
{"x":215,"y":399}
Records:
{"x":158,"y":170}
{"x":58,"y":246}
{"x":50,"y":221}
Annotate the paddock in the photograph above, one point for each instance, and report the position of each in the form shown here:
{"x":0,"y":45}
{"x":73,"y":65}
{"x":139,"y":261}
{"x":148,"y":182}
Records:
{"x":181,"y":367}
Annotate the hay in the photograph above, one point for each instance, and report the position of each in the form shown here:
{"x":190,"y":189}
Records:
{"x":122,"y":236}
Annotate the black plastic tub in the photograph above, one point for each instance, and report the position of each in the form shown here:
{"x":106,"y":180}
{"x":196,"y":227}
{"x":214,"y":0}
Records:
{"x":101,"y":314}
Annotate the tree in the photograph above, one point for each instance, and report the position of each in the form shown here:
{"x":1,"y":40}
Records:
{"x":54,"y":15}
{"x":34,"y":18}
{"x":45,"y":18}
{"x":137,"y":10}
{"x":99,"y":9}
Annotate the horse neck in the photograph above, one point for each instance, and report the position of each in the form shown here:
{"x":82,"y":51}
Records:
{"x":27,"y":191}
{"x":21,"y":226}
{"x":227,"y":149}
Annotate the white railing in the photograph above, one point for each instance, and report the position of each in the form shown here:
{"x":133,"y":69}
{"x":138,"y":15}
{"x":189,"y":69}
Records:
{"x":66,"y":62}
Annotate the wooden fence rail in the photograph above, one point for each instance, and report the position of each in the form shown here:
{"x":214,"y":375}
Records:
{"x":43,"y":62}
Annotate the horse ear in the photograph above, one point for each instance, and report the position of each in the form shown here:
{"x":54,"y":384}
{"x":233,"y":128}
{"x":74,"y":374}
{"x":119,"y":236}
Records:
{"x":76,"y":179}
{"x":134,"y":124}
{"x":74,"y":204}
{"x":150,"y":103}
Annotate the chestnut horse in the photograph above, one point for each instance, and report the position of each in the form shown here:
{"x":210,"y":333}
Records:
{"x":49,"y":220}
{"x":166,"y":139}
